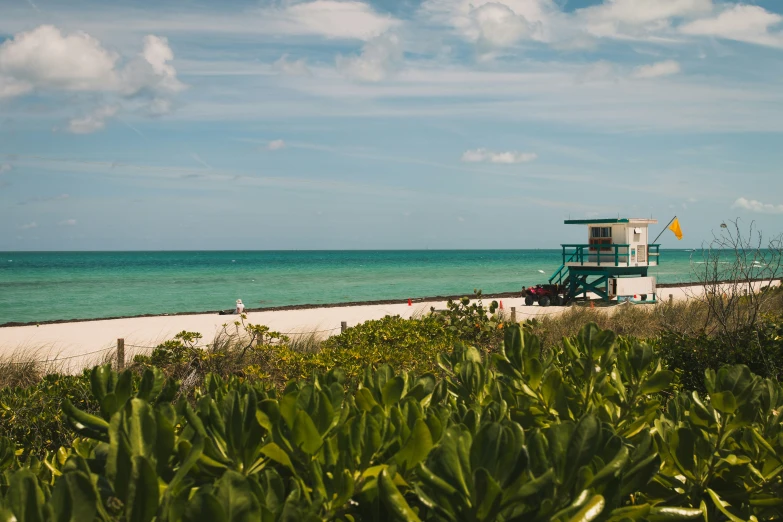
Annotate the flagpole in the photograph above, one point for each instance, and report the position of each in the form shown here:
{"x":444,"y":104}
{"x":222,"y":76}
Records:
{"x":664,"y":230}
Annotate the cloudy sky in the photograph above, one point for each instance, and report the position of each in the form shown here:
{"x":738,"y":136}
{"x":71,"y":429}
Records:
{"x":387,"y":124}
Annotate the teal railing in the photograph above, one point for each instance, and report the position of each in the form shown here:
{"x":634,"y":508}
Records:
{"x":561,"y":272}
{"x":604,"y":255}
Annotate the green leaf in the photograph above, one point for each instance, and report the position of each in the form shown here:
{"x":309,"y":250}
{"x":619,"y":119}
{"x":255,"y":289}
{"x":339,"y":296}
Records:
{"x":450,"y":460}
{"x":499,"y":448}
{"x":24,"y":497}
{"x":590,"y":511}
{"x":595,"y":341}
{"x":74,"y":498}
{"x":666,"y":514}
{"x":612,"y":469}
{"x":236,"y":496}
{"x":683,"y":443}
{"x":141,"y":427}
{"x":584,"y":442}
{"x":433,"y":481}
{"x":417,"y":446}
{"x":87,"y":425}
{"x":724,"y":402}
{"x":204,"y":507}
{"x":392,"y":391}
{"x":143,"y":492}
{"x":151,"y":384}
{"x":657,"y":382}
{"x":304,"y":433}
{"x":101,"y":381}
{"x":393,"y":499}
{"x":277,"y":454}
{"x":535,"y":370}
{"x":512,"y":346}
{"x":365,"y":400}
{"x":488,"y":494}
{"x":531,"y":487}
{"x":723,"y":506}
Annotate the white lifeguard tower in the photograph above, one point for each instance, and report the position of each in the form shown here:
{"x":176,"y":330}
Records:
{"x":614,"y":261}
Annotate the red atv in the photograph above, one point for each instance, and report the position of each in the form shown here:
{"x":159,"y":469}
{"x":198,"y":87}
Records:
{"x":545,"y":295}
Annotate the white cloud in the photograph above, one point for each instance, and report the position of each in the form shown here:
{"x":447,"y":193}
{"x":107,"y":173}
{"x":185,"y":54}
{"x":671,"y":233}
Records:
{"x":276,"y":145}
{"x":656,"y":70}
{"x":67,"y":222}
{"x":151,"y":70}
{"x":379,"y":58}
{"x":45,"y":58}
{"x":10,"y":87}
{"x":330,"y":18}
{"x":28,"y":226}
{"x":484,"y":155}
{"x":639,"y":12}
{"x":92,"y":122}
{"x":292,"y":68}
{"x":4,"y":167}
{"x":757,"y":206}
{"x":159,"y":106}
{"x":744,"y":23}
{"x":600,"y":71}
{"x":498,"y":25}
{"x":635,"y":18}
{"x":505,"y":22}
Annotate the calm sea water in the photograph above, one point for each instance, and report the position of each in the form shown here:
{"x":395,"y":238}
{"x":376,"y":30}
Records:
{"x":41,"y":286}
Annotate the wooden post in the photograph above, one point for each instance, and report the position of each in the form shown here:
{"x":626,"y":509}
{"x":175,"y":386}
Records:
{"x":513,"y":314}
{"x":343,"y":326}
{"x":120,"y":354}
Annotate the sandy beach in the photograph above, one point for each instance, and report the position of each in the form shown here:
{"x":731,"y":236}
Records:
{"x":79,"y":344}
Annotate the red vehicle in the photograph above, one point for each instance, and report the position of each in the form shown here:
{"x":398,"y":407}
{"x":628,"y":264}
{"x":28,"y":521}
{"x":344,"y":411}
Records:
{"x":545,"y":295}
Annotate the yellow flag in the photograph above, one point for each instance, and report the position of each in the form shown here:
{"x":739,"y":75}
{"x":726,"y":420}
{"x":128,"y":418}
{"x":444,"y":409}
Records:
{"x":675,"y":227}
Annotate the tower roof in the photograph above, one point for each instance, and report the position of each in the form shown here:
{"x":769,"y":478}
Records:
{"x":611,"y":221}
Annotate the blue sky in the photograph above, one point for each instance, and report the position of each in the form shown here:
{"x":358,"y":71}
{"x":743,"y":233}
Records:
{"x":388,"y":124}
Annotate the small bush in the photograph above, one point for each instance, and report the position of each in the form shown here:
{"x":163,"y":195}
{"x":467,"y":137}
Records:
{"x":690,"y":355}
{"x":407,"y":344}
{"x":472,"y":323}
{"x":32,"y":416}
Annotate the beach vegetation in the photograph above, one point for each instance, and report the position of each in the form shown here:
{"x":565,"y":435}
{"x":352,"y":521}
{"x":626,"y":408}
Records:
{"x":472,"y":322}
{"x":594,"y":428}
{"x":30,"y":402}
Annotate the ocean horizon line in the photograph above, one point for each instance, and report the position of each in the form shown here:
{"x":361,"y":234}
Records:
{"x":558,"y":248}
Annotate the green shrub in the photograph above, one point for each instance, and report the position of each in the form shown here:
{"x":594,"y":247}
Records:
{"x":406,"y":344}
{"x":691,"y":355}
{"x":32,"y":417}
{"x":574,"y":434}
{"x":472,"y":323}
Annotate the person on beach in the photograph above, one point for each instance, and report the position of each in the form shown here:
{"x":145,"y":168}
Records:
{"x":240,"y":307}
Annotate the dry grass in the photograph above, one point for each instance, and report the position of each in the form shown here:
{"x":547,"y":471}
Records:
{"x":643,"y":321}
{"x":27,"y":366}
{"x":306,"y":342}
{"x":691,"y":317}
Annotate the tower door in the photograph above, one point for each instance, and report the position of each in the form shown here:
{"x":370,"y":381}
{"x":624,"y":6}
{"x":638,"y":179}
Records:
{"x":641,"y":255}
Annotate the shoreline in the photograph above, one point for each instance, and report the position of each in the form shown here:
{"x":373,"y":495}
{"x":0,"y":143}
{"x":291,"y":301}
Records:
{"x":418,"y":300}
{"x":79,"y":344}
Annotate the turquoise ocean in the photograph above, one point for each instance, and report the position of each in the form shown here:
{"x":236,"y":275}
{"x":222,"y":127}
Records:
{"x":45,"y":286}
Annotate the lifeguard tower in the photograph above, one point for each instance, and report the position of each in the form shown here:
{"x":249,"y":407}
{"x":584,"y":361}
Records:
{"x":613,"y":263}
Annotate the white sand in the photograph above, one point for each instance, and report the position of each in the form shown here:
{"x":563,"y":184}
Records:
{"x":80,"y":340}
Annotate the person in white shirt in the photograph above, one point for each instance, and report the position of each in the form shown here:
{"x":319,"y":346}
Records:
{"x":240,"y":307}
